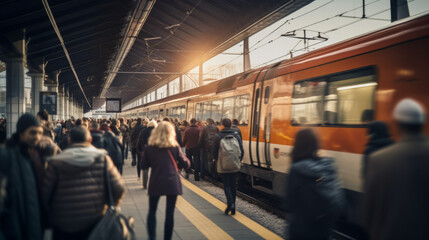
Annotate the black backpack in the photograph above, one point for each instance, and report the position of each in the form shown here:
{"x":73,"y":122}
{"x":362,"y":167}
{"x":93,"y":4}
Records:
{"x":322,"y":198}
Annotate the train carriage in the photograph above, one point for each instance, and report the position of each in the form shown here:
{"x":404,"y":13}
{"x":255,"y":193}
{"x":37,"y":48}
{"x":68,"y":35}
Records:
{"x":337,"y":90}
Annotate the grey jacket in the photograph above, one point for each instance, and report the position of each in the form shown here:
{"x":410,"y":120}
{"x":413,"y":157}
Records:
{"x":397,"y":195}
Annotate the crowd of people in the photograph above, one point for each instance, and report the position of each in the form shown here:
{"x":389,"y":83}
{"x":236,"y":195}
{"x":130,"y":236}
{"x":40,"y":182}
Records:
{"x":52,"y":174}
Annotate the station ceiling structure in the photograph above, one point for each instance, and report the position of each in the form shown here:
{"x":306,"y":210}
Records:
{"x":103,"y":37}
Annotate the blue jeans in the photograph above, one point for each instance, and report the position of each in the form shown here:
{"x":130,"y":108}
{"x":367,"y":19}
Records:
{"x":229,"y":182}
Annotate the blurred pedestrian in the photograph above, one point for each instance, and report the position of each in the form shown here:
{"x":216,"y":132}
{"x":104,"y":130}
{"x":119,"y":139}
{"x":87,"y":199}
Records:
{"x":73,"y":189}
{"x":227,"y":153}
{"x":20,"y":216}
{"x":379,"y":138}
{"x":190,"y":140}
{"x":135,"y":132}
{"x":314,"y":197}
{"x":141,"y":145}
{"x":125,"y":131}
{"x":161,"y":155}
{"x":396,"y":193}
{"x":206,"y":142}
{"x":234,"y":127}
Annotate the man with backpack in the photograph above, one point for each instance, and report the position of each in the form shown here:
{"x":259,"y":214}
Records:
{"x":228,"y":152}
{"x":207,"y":139}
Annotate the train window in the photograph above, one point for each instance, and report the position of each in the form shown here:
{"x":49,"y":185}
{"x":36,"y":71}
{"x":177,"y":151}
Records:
{"x":182,"y":112}
{"x":350,"y":97}
{"x":206,"y":111}
{"x":241,"y":112}
{"x":340,"y":99}
{"x":216,"y":111}
{"x":198,"y":110}
{"x":256,"y":114}
{"x":228,"y":107}
{"x":307,"y":102}
{"x":267,"y":94}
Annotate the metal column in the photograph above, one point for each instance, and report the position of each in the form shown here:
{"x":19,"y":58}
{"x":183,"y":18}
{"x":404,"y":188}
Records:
{"x":36,"y":87}
{"x":15,"y":104}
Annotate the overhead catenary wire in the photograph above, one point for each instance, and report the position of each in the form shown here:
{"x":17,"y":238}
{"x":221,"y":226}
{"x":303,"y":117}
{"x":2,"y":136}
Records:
{"x":57,"y":31}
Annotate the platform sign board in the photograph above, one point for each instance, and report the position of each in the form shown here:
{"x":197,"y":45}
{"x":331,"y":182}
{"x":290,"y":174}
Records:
{"x":113,"y":105}
{"x":48,"y":101}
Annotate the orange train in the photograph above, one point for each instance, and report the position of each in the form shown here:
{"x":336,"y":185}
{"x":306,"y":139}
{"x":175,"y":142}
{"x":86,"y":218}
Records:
{"x":336,"y":90}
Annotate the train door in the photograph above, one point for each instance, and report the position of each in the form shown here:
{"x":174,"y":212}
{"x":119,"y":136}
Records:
{"x":254,"y":123}
{"x":260,"y":134}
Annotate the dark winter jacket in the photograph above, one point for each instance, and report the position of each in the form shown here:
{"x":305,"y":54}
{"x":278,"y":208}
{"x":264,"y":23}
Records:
{"x":164,"y":178}
{"x":191,"y":137}
{"x":302,"y":176}
{"x":73,"y":189}
{"x":396,"y":193}
{"x":237,"y":130}
{"x":97,"y":138}
{"x":134,"y":136}
{"x":208,"y":137}
{"x":20,"y":218}
{"x":222,"y":134}
{"x":143,"y":138}
{"x":125,"y":131}
{"x":379,"y":139}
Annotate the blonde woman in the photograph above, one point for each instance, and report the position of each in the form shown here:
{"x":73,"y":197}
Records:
{"x":161,"y":155}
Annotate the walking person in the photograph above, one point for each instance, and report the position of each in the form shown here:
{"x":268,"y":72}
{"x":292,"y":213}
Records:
{"x":141,"y":145}
{"x":73,"y":189}
{"x":228,"y":152}
{"x":190,"y":140}
{"x":161,"y":156}
{"x":314,"y":197}
{"x":134,"y":136}
{"x":206,"y":142}
{"x":396,"y":193}
{"x":20,"y":211}
{"x":125,"y":131}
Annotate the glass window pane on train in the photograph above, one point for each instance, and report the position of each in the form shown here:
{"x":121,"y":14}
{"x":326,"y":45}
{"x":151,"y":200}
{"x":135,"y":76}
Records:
{"x":198,"y":110}
{"x":206,"y":111}
{"x":228,"y":107}
{"x":256,"y":114}
{"x":241,"y":112}
{"x":350,"y":99}
{"x":216,"y":111}
{"x":182,"y":112}
{"x":307,"y":102}
{"x":267,"y":94}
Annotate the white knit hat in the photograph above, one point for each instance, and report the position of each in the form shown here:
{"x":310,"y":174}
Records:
{"x":409,"y":111}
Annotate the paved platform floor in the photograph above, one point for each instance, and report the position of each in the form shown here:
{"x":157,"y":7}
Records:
{"x":198,"y":215}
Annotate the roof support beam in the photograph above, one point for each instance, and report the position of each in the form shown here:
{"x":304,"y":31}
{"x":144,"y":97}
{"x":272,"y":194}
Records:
{"x":136,"y":23}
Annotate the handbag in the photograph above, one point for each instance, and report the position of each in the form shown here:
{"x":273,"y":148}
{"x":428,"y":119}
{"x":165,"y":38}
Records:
{"x":113,"y":225}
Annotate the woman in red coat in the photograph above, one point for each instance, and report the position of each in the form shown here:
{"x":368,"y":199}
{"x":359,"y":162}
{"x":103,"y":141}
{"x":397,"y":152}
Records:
{"x":161,"y":155}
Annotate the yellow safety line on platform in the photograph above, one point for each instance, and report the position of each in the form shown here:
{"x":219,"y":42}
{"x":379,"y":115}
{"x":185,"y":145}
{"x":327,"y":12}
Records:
{"x":208,"y":228}
{"x":249,"y":223}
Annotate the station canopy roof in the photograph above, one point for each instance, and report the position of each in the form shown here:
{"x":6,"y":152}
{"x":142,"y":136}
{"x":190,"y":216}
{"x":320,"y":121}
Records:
{"x":104,"y":37}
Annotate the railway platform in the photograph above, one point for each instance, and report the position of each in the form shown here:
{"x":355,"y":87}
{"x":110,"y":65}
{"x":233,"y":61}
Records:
{"x":198,"y":214}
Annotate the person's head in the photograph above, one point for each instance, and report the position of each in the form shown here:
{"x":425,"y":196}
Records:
{"x":166,"y":119}
{"x":193,"y":121}
{"x":378,"y":130}
{"x":163,"y":136}
{"x":185,"y":123}
{"x":235,"y":121}
{"x":226,"y":123}
{"x":29,"y":130}
{"x":210,"y":121}
{"x":121,"y":120}
{"x":79,"y":135}
{"x":410,"y":115}
{"x":152,"y":123}
{"x":115,"y":123}
{"x":306,"y":145}
{"x":94,"y":125}
{"x":139,"y":121}
{"x":43,"y":115}
{"x":78,"y":122}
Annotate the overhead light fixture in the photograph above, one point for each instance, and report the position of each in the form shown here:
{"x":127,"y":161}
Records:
{"x":158,"y":60}
{"x":172,"y":26}
{"x":357,"y":86}
{"x":152,"y":38}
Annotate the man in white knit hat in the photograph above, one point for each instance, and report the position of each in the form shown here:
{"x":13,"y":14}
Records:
{"x":397,"y":193}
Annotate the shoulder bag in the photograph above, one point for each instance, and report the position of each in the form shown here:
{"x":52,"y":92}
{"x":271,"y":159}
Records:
{"x":113,"y":225}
